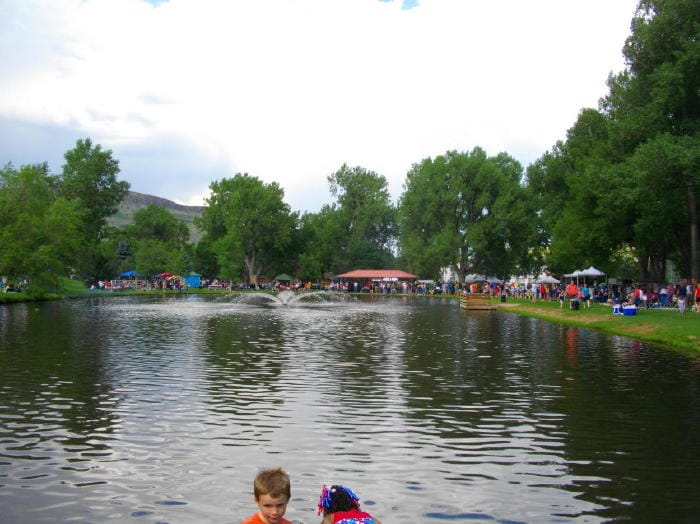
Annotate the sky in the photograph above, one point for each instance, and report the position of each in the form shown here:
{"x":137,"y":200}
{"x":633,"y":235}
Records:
{"x":188,"y":92}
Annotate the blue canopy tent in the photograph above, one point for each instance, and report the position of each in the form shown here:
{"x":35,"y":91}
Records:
{"x":129,"y":274}
{"x":193,"y":279}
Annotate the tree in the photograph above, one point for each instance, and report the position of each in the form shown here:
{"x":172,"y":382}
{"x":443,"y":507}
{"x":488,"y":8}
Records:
{"x":657,"y":100}
{"x":626,"y":178}
{"x":583,"y":199}
{"x":322,"y":237}
{"x":466,"y":211}
{"x":89,"y":179}
{"x":38,"y":230}
{"x":364,"y":218}
{"x":159,"y":241}
{"x":247,"y":224}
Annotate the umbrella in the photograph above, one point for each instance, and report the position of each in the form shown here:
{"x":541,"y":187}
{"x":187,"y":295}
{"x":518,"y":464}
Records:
{"x":129,"y":274}
{"x":546,"y":279}
{"x":284,"y":277}
{"x":166,"y":275}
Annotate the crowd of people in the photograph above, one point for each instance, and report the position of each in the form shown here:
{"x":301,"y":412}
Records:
{"x":681,"y":295}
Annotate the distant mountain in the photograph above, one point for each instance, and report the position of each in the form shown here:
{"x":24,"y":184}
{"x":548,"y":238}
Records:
{"x":135,"y":201}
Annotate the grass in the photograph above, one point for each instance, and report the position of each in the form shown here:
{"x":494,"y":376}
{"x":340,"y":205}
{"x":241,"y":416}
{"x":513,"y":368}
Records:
{"x":667,"y":327}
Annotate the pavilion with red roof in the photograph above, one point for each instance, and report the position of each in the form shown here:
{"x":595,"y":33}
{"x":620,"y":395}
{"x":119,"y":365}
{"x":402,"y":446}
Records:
{"x":375,"y":279}
{"x":387,"y":275}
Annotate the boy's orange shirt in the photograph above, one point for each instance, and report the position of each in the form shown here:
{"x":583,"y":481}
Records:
{"x":255,"y":519}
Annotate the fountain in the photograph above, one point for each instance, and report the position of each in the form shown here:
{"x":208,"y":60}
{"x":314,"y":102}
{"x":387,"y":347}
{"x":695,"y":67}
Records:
{"x":290,"y":298}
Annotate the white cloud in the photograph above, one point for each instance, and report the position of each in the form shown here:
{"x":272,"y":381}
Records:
{"x":288,"y":90}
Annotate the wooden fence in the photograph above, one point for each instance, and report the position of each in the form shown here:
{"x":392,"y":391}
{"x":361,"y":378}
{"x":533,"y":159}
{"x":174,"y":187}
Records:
{"x":476,"y":301}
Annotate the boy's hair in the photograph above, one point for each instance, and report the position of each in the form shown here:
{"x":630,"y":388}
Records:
{"x":274,"y":482}
{"x":337,"y":498}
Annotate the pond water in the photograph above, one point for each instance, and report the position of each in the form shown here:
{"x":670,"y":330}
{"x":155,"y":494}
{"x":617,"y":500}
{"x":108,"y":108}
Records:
{"x":163,"y":409}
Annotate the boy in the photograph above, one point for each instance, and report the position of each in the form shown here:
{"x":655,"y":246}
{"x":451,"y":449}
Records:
{"x":272,"y":490}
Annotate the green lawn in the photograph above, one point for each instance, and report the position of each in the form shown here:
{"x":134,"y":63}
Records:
{"x":664,"y":326}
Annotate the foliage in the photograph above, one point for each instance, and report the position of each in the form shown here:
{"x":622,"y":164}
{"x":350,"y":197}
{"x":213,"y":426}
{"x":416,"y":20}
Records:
{"x":364,"y":217}
{"x":626,"y":178}
{"x":467,"y":211}
{"x":158,"y":241}
{"x":247,"y":224}
{"x":322,"y":235}
{"x":654,"y":106}
{"x":89,"y":179}
{"x":357,"y":230}
{"x":38,"y":231}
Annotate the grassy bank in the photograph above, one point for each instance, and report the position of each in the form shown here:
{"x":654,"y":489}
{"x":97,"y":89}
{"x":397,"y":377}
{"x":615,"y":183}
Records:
{"x":663,"y":326}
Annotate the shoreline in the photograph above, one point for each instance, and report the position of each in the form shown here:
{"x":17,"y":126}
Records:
{"x":666,"y":327}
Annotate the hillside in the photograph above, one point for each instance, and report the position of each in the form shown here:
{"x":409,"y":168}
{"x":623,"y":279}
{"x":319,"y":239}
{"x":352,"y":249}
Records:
{"x":135,"y":201}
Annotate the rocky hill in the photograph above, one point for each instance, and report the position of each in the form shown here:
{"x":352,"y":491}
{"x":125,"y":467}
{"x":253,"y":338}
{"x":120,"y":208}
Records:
{"x":135,"y":201}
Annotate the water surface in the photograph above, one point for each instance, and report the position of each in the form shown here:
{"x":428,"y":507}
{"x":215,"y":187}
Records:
{"x":163,"y":409}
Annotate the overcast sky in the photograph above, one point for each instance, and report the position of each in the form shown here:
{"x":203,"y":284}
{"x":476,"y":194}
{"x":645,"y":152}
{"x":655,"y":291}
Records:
{"x":186,"y":92}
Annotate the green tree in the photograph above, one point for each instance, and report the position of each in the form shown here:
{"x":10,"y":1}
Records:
{"x":624,"y":183}
{"x":159,"y":241}
{"x":363,"y":218}
{"x":654,"y":105}
{"x":322,"y":239}
{"x":248,"y":225}
{"x":582,"y":198}
{"x":38,"y":230}
{"x":89,"y":179}
{"x":466,"y":211}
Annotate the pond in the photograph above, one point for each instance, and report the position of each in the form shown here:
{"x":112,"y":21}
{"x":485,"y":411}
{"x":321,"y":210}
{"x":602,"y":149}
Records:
{"x":163,"y":409}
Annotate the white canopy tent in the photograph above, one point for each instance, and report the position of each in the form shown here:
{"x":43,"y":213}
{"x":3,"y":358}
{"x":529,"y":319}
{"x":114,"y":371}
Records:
{"x":590,"y":272}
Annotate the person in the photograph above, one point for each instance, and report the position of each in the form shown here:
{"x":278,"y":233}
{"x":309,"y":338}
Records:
{"x":340,"y":505}
{"x":572,"y":290}
{"x":586,"y":294}
{"x":272,"y":490}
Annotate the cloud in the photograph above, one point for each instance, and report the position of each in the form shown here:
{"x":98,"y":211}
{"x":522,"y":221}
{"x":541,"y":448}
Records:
{"x":288,"y":90}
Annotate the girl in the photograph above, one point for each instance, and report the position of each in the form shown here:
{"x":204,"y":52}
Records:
{"x":341,"y":506}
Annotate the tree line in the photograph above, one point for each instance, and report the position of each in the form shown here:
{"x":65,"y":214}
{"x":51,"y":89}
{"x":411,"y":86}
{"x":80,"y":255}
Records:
{"x":619,"y":192}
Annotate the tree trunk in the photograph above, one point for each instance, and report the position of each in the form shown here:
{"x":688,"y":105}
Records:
{"x":651,"y":266}
{"x":693,"y":215}
{"x":249,"y":261}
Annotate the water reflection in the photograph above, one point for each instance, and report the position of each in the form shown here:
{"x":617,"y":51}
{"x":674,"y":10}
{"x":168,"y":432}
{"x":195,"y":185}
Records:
{"x":162,"y":409}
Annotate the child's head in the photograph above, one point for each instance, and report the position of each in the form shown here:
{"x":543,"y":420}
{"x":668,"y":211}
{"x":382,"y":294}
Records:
{"x":273,"y":482}
{"x":272,"y":489}
{"x":337,"y":498}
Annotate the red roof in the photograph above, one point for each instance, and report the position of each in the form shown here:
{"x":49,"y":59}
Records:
{"x":377,"y":273}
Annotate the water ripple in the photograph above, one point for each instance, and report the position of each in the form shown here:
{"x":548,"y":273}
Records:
{"x":423,"y":409}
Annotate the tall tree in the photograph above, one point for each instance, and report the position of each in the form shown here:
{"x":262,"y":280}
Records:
{"x":465,"y":211}
{"x":38,"y":230}
{"x":582,"y":201}
{"x":626,"y":178}
{"x":363,"y":216}
{"x":656,"y":100}
{"x":89,"y":179}
{"x":248,"y":225}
